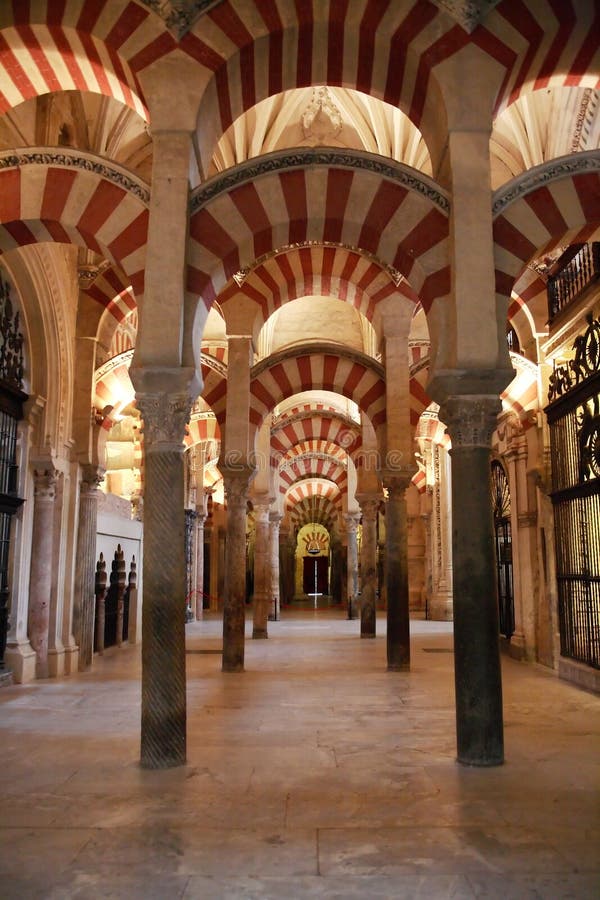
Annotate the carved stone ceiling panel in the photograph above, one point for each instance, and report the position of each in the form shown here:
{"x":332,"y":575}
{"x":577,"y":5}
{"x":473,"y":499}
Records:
{"x":180,"y":15}
{"x":468,"y":13}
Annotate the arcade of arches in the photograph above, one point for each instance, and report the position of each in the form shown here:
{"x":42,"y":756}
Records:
{"x":307,"y":302}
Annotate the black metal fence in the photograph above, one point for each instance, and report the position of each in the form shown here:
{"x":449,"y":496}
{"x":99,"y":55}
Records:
{"x":574,"y":419}
{"x":567,"y":284}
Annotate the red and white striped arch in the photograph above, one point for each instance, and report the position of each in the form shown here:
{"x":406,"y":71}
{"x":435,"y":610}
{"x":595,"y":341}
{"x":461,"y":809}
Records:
{"x":528,"y":309}
{"x":564,"y":208}
{"x":303,"y":447}
{"x":359,"y":378}
{"x":313,"y":496}
{"x":419,"y":399}
{"x":321,"y":510}
{"x":522,"y":394}
{"x":315,"y":429}
{"x":318,"y":271}
{"x":325,"y":203}
{"x":112,"y":290}
{"x":214,"y":380}
{"x":113,"y":389}
{"x":542,"y":44}
{"x":312,"y":466}
{"x":95,"y":45}
{"x":202,"y":428}
{"x":257,"y":48}
{"x":69,"y":204}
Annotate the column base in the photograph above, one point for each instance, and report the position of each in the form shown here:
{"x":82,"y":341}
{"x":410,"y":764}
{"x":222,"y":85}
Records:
{"x":367,"y":636}
{"x":259,"y":634}
{"x":20,"y":659}
{"x":56,"y":663}
{"x":71,"y":663}
{"x":440,"y":608}
{"x":237,"y":667}
{"x":399,"y":667}
{"x":481,"y":764}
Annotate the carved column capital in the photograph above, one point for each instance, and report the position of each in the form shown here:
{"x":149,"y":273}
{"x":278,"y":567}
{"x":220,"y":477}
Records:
{"x":165,"y":417}
{"x":44,"y":483}
{"x":369,"y":505}
{"x":396,"y":481}
{"x":275,"y":519}
{"x":352,"y":521}
{"x":91,"y":477}
{"x":236,"y":481}
{"x":470,"y":419}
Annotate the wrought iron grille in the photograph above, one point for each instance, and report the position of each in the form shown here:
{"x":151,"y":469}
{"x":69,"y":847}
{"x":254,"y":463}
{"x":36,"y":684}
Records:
{"x":12,"y":398}
{"x":503,"y":542}
{"x":574,"y":420}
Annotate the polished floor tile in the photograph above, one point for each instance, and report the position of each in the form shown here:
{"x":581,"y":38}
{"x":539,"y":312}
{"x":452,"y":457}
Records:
{"x":313,"y":774}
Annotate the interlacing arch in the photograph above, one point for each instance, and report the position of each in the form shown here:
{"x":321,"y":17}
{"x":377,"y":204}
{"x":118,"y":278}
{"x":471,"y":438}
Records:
{"x":327,"y":428}
{"x":312,"y":465}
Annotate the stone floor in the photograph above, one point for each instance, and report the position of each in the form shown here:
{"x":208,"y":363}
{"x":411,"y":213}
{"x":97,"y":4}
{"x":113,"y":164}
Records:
{"x":313,"y":774}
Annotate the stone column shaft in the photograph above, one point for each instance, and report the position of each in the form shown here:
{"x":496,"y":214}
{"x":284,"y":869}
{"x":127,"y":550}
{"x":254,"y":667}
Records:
{"x":275,"y":606}
{"x":163,"y":739}
{"x":234,"y":607}
{"x":396,"y":533}
{"x":199,"y":557}
{"x":40,"y":579}
{"x":368,"y":565}
{"x":262,"y":571}
{"x":352,"y":521}
{"x":479,"y":727}
{"x":84,"y":601}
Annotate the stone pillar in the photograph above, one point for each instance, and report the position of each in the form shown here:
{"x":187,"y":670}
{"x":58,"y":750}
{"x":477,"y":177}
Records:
{"x":352,"y":520}
{"x":236,"y":481}
{"x":524,"y":550}
{"x":199,"y":561}
{"x":164,"y":415}
{"x":369,"y":505}
{"x":84,"y":601}
{"x":275,"y":610}
{"x":470,"y":421}
{"x":440,"y":605}
{"x":40,"y":579}
{"x":262,"y":570}
{"x":396,"y":539}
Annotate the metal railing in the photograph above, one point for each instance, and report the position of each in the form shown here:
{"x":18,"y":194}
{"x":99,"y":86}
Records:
{"x":566,"y":285}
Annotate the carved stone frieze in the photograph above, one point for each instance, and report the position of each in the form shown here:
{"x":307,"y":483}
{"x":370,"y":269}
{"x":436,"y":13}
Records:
{"x":43,"y":157}
{"x":180,"y":15}
{"x":314,"y":157}
{"x":563,"y":167}
{"x":470,"y":420}
{"x":165,"y":417}
{"x":468,"y":13}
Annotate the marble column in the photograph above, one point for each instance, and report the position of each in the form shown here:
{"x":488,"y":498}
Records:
{"x":40,"y":579}
{"x":262,"y":570}
{"x":369,"y":505}
{"x":199,"y":562}
{"x":524,"y":549}
{"x":352,"y":521}
{"x":275,"y":609}
{"x":163,"y":739}
{"x":470,"y":421}
{"x":84,"y":600}
{"x":396,"y":548}
{"x":236,"y":481}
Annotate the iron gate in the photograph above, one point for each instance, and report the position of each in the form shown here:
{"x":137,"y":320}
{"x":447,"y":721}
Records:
{"x":503,"y":540}
{"x":574,"y":419}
